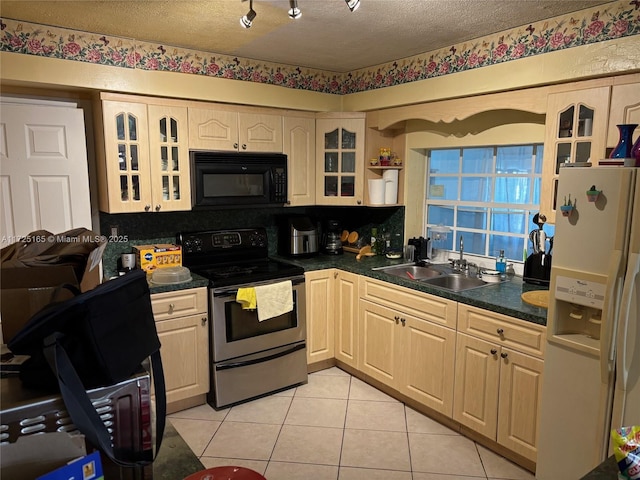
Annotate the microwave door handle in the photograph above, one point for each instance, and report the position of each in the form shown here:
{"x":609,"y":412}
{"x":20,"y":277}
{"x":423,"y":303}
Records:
{"x":245,"y":363}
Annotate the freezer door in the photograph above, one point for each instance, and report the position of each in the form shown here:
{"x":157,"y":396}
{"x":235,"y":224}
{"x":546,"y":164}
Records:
{"x":626,"y":405}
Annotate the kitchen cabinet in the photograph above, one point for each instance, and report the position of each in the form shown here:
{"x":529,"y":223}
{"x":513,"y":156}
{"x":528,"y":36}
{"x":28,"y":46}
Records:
{"x":405,"y":344}
{"x":346,"y":318}
{"x":228,"y":129}
{"x":183,"y":328}
{"x":395,"y":142}
{"x":498,"y":378}
{"x":320,"y":297}
{"x":575,"y":132}
{"x":340,"y":159}
{"x":625,"y":108}
{"x":300,"y":147}
{"x":143,"y":164}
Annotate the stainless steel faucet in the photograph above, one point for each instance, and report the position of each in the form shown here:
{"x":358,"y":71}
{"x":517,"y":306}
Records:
{"x":461,"y":249}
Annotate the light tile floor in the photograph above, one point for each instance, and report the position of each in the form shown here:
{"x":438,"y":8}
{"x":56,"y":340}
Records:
{"x":337,"y":427}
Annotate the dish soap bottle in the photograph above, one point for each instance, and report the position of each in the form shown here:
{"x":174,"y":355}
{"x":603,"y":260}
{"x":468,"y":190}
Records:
{"x":374,"y":235}
{"x":501,"y":263}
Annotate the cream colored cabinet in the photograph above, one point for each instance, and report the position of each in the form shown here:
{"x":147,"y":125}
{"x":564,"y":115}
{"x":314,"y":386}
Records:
{"x":575,"y":132}
{"x":625,"y":108}
{"x":346,"y":318}
{"x":144,"y":163}
{"x":497,"y":388}
{"x":300,"y":147}
{"x":227,"y":129}
{"x":340,"y":159}
{"x":183,"y":328}
{"x":405,"y":344}
{"x":320,"y":297}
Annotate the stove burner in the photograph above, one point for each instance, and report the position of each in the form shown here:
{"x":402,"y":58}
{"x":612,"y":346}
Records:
{"x":232,"y":271}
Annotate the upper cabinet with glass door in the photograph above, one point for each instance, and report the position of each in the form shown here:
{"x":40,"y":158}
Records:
{"x":576,"y":131}
{"x":144,"y":166}
{"x":340,"y":159}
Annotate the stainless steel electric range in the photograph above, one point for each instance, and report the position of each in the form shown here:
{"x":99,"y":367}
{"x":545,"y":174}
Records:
{"x":248,"y":358}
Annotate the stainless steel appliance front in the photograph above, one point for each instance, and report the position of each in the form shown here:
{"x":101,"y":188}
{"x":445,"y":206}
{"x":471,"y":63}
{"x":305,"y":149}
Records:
{"x":252,"y":358}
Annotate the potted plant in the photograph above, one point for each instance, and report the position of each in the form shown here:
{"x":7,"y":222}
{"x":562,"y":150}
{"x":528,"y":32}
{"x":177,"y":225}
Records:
{"x":592,"y":194}
{"x":567,"y":207}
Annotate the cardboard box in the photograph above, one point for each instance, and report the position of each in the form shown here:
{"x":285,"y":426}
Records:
{"x":150,"y":257}
{"x":35,"y":455}
{"x":25,"y":291}
{"x":85,"y":468}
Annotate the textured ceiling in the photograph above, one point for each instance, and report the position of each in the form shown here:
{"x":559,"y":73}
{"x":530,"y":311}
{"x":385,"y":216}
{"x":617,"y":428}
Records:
{"x":327,"y":37}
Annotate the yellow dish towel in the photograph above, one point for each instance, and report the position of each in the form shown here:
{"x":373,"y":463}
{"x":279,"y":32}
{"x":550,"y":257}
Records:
{"x":274,"y":299}
{"x":247,"y":298}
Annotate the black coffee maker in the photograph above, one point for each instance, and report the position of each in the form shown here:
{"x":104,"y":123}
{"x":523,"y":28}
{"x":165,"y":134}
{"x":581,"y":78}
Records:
{"x":537,"y":266}
{"x":332,"y":244}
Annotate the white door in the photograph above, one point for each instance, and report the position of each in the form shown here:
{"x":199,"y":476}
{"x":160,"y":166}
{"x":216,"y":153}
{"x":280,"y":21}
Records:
{"x":44,"y":182}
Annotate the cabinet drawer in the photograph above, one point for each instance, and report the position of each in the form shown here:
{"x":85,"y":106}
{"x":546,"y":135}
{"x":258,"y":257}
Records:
{"x":428,"y":307}
{"x":177,"y":304}
{"x":518,"y":334}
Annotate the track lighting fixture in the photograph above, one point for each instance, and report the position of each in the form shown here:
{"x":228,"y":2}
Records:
{"x":247,"y":20}
{"x":294,"y":11}
{"x":352,"y":4}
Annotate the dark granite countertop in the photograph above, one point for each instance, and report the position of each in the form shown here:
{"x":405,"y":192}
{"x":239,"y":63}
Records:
{"x":504,"y":298}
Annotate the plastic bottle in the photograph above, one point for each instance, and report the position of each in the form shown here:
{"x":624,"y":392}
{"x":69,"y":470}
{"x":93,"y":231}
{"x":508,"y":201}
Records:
{"x":501,"y":263}
{"x":374,"y":235}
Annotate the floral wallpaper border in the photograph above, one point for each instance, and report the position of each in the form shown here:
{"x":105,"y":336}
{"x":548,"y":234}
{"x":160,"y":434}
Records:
{"x":605,"y":22}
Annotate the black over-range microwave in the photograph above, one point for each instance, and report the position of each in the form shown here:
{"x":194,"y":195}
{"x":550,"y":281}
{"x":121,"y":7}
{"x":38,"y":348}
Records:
{"x":221,"y":179}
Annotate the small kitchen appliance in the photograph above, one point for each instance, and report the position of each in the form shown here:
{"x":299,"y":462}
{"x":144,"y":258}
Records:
{"x":537,"y":266}
{"x":298,"y":237}
{"x":422,"y":246}
{"x":249,"y":358}
{"x":332,"y":242}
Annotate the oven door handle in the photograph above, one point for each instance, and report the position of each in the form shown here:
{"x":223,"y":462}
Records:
{"x":224,"y":292}
{"x":246,"y":363}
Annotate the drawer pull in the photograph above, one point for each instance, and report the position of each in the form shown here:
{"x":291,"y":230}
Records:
{"x":172,"y":307}
{"x":500,"y":331}
{"x":403,"y":320}
{"x":397,"y":319}
{"x":204,"y":321}
{"x":493,"y":351}
{"x":504,"y":354}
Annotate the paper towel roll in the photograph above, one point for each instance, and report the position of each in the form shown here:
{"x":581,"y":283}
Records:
{"x":376,"y":191}
{"x":390,"y":178}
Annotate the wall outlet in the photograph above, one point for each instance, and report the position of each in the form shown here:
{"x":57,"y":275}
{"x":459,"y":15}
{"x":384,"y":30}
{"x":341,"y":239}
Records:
{"x":114,"y":231}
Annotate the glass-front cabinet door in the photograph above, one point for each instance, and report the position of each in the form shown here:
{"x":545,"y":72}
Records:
{"x":339,"y":161}
{"x":169,"y":158}
{"x":126,"y":162}
{"x":575,"y":134}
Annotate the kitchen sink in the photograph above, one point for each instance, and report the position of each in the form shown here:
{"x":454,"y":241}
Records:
{"x":413,"y":272}
{"x":455,"y":282}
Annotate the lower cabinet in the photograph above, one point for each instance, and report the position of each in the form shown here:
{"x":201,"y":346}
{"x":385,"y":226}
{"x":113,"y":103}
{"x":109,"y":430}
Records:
{"x":497,"y":389}
{"x":346,"y":318}
{"x":183,"y":328}
{"x":320,"y":297}
{"x":404,"y":350}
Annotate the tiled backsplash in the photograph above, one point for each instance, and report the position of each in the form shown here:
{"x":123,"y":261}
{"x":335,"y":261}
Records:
{"x":138,"y":228}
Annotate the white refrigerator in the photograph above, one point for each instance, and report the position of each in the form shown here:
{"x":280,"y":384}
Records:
{"x":591,"y":380}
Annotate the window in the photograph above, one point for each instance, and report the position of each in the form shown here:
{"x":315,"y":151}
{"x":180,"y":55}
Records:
{"x":487,"y":195}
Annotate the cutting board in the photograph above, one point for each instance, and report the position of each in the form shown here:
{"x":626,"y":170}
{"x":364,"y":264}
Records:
{"x":537,"y":298}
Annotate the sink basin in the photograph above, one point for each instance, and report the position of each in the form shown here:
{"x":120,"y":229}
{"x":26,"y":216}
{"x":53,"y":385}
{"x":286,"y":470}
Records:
{"x":455,"y":282}
{"x":409,"y":271}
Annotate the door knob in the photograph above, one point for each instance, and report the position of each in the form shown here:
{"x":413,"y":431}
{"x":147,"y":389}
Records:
{"x":493,"y":351}
{"x":504,"y":354}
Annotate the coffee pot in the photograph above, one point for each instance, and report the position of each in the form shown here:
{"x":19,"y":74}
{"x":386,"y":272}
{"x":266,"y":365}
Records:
{"x":332,"y":243}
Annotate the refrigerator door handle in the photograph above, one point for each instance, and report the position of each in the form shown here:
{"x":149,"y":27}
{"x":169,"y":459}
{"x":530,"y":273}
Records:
{"x":626,"y":323}
{"x":609,"y":323}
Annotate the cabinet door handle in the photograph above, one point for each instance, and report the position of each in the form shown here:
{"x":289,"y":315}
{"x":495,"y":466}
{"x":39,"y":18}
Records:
{"x":171,"y":307}
{"x":158,"y":207}
{"x":500,"y":331}
{"x":204,"y":321}
{"x":493,"y":351}
{"x":504,"y":354}
{"x":147,"y":208}
{"x":244,"y":146}
{"x":235,"y":145}
{"x":403,"y":320}
{"x":397,"y":319}
{"x":359,"y":202}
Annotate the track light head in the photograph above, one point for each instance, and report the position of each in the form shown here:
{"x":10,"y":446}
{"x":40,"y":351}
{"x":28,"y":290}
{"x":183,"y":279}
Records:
{"x":352,"y":4}
{"x":294,"y":11}
{"x":247,"y":20}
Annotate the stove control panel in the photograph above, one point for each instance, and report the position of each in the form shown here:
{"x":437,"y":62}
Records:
{"x":223,"y":241}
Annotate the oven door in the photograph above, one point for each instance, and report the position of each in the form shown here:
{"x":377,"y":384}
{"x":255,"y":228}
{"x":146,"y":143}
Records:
{"x":237,"y":332}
